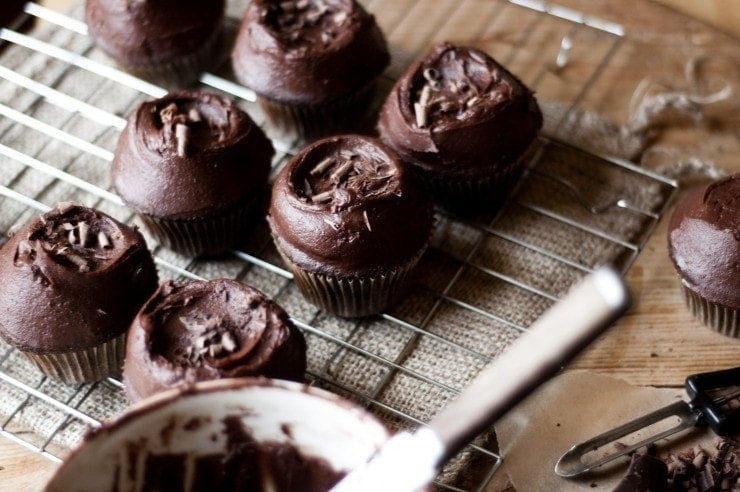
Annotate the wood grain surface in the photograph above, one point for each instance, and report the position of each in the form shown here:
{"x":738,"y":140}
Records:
{"x":658,"y":343}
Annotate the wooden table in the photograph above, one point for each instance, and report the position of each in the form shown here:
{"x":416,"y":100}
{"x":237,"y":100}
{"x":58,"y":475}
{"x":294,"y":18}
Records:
{"x":658,"y":343}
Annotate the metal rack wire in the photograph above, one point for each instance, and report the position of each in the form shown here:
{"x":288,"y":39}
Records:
{"x":480,"y":285}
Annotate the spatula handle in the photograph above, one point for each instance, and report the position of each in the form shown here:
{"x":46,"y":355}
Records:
{"x":551,"y":341}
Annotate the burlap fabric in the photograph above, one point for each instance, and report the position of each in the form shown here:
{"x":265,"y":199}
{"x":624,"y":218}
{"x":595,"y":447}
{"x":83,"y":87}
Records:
{"x":479,"y":285}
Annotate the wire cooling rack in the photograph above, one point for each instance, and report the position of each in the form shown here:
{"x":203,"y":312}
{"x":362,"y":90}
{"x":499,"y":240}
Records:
{"x":482,"y":282}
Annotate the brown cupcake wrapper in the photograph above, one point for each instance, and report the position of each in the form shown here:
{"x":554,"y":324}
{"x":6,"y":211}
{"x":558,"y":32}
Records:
{"x":83,"y":366}
{"x":309,"y":121}
{"x":192,"y":237}
{"x":352,"y":297}
{"x":181,"y":71}
{"x":470,"y":195}
{"x":717,"y":317}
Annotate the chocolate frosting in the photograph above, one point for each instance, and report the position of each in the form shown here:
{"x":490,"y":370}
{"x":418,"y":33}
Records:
{"x":704,"y":241}
{"x":73,"y":278}
{"x":345,"y":206}
{"x":308,"y":51}
{"x":190,"y":154}
{"x":138,"y":32}
{"x":457,"y":111}
{"x":201,"y":330}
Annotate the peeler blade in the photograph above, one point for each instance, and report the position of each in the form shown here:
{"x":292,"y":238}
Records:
{"x":572,"y":463}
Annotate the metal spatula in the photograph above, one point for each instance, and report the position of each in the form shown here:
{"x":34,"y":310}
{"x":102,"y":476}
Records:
{"x":410,"y":461}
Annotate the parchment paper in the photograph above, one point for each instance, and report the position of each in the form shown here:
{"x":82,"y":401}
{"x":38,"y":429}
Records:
{"x":572,"y":408}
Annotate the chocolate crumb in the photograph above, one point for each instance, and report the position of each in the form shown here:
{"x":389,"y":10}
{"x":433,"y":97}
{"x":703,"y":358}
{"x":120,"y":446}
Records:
{"x":697,"y":469}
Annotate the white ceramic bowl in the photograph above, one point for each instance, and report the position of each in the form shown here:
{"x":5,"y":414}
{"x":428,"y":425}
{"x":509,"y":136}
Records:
{"x":177,"y":428}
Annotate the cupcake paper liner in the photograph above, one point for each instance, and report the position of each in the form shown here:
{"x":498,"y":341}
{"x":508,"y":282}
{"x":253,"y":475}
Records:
{"x":717,"y":317}
{"x":83,"y":366}
{"x":310,"y":121}
{"x":470,"y":195}
{"x":181,"y":71}
{"x":201,"y":235}
{"x":352,"y":296}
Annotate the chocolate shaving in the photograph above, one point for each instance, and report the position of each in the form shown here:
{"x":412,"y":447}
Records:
{"x":103,"y":240}
{"x":420,"y":112}
{"x":82,"y":230}
{"x":341,"y":171}
{"x":472,"y":101}
{"x":228,"y":342}
{"x":215,"y":349}
{"x":477,"y":57}
{"x":322,"y":197}
{"x":214,"y":339}
{"x":695,"y":469}
{"x":182,"y":134}
{"x":339,"y":18}
{"x":425,"y":95}
{"x":293,"y":17}
{"x":79,"y":262}
{"x":367,"y":220}
{"x":344,"y":175}
{"x":168,"y":114}
{"x":194,"y":115}
{"x":432,"y":77}
{"x":322,"y":166}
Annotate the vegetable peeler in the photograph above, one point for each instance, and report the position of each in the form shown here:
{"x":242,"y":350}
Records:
{"x":715,"y":401}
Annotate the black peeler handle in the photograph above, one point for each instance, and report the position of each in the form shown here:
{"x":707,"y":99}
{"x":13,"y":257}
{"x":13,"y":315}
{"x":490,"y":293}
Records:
{"x":698,"y":386}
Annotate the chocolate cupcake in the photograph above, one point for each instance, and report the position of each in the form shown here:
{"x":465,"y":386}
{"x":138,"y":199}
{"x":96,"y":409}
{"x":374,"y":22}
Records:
{"x":350,"y":223}
{"x":167,"y":41}
{"x":202,"y":330}
{"x":462,"y":121}
{"x":704,"y":245}
{"x":312,"y":63}
{"x":72,"y":282}
{"x":193,"y":165}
